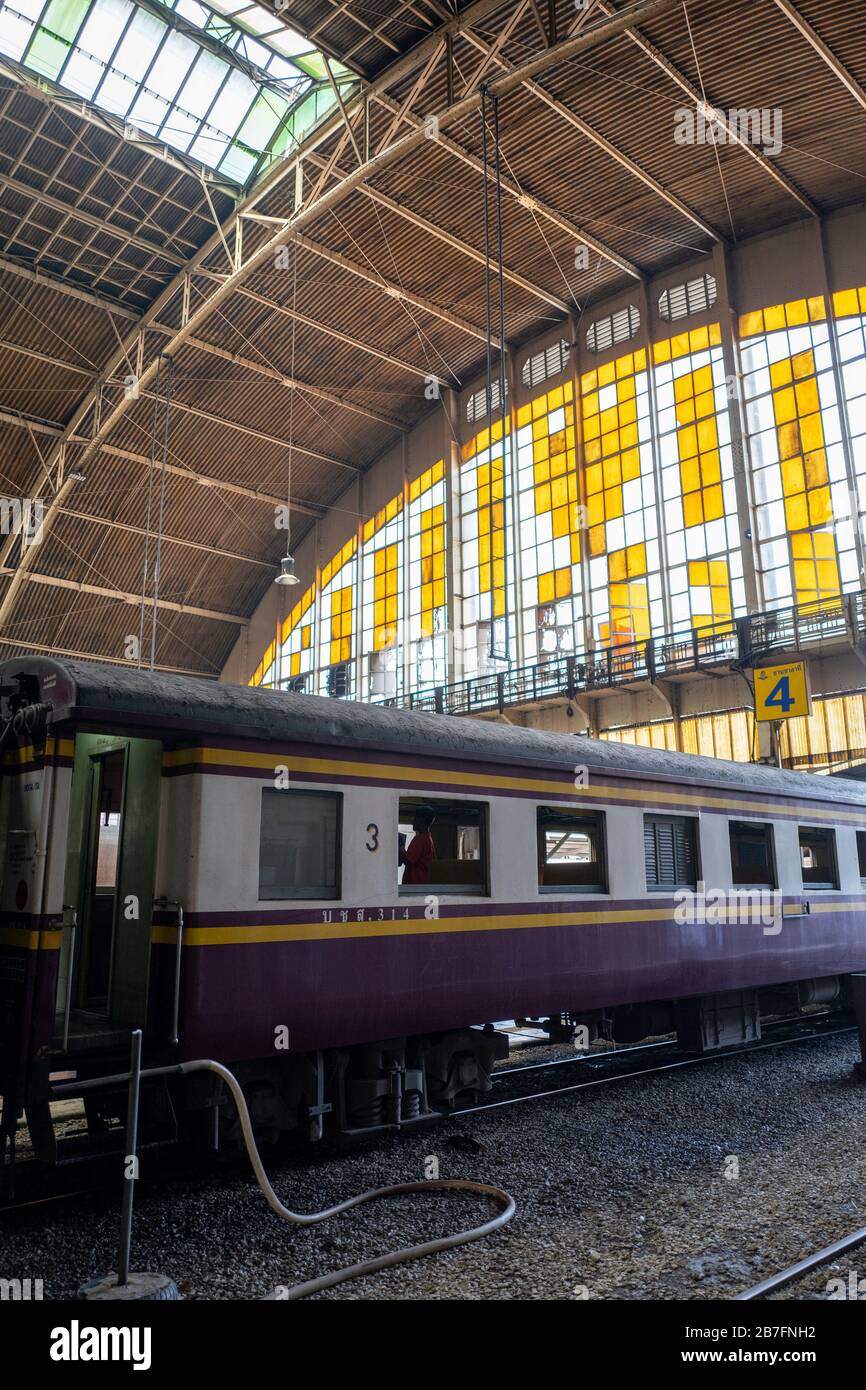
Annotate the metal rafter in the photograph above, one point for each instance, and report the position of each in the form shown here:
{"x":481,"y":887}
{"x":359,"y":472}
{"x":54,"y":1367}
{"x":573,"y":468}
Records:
{"x":424,"y":224}
{"x":101,"y":591}
{"x":566,"y":114}
{"x":211,"y":349}
{"x":305,"y":216}
{"x":529,"y":201}
{"x":823,"y":50}
{"x":697,"y":98}
{"x":52,"y":430}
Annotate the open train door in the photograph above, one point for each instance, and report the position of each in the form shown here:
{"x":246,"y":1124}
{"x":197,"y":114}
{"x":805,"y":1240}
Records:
{"x":111,"y":868}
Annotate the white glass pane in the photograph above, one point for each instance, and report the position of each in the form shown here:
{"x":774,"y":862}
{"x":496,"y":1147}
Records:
{"x":236,"y":98}
{"x":14,"y":34}
{"x":149,"y":112}
{"x":179,"y":128}
{"x":104,"y":27}
{"x":172,"y":65}
{"x":31,"y":9}
{"x":196,"y":14}
{"x":117,"y":93}
{"x":83,"y":74}
{"x":202,"y":84}
{"x":141,"y":42}
{"x":209,"y":147}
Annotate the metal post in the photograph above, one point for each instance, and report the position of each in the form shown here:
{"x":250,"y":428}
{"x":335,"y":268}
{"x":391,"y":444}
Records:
{"x":858,"y":989}
{"x":131,"y":1146}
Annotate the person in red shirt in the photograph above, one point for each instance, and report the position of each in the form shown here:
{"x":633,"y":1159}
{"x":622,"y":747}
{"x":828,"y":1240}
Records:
{"x":421,"y":849}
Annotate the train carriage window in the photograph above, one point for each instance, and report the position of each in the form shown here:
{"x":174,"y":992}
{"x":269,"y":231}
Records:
{"x":442,"y":846}
{"x":670,"y":848}
{"x":818,"y":858}
{"x":752,"y":859}
{"x":570,"y":851}
{"x":299,"y":844}
{"x":861,"y":855}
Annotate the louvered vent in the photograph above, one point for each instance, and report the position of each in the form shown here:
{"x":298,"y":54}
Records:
{"x":693,"y":297}
{"x":613,"y":329}
{"x":544,"y":365}
{"x":476,"y":406}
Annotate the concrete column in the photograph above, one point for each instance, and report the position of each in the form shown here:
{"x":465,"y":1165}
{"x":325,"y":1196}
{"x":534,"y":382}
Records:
{"x":453,"y":565}
{"x":739,"y":440}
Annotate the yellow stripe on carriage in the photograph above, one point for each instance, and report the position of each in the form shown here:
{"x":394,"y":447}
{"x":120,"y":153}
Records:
{"x":26,"y":939}
{"x":261,"y":933}
{"x":651,"y":795}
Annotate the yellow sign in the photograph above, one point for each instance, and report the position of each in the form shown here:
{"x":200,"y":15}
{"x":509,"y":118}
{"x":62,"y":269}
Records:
{"x":782,"y":692}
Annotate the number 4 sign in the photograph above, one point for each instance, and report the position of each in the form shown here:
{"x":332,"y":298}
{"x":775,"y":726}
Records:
{"x":782,"y":692}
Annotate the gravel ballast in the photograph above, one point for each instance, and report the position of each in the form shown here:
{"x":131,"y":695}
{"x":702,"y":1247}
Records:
{"x":693,"y":1184}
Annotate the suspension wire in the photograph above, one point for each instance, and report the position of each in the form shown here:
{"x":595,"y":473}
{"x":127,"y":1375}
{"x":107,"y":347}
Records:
{"x":164,"y":469}
{"x":150,"y":473}
{"x":502,"y":397}
{"x":488,"y":386}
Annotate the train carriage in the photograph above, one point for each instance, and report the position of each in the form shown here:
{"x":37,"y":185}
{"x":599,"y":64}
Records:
{"x":226,"y":868}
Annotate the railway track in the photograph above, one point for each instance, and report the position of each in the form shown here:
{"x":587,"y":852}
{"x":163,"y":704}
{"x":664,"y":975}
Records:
{"x":619,"y":1065}
{"x":793,"y":1272}
{"x":596,"y":1069}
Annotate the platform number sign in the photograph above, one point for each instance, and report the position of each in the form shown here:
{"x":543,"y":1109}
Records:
{"x":782,"y":692}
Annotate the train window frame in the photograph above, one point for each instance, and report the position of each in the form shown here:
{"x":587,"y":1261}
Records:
{"x":307,"y":893}
{"x":578,"y":817}
{"x":861,"y":856}
{"x":662,"y":817}
{"x":770,"y":838}
{"x":819,"y":886}
{"x":458,"y":806}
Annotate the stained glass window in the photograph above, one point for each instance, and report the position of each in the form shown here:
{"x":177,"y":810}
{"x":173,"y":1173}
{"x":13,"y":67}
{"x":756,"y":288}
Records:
{"x":265,"y":673}
{"x":805,"y":537}
{"x":297,"y":644}
{"x":849,"y":307}
{"x":427,"y":559}
{"x":701,"y":526}
{"x":549,"y":512}
{"x":381,"y":603}
{"x":623,"y":562}
{"x":336,"y":623}
{"x":487,"y":539}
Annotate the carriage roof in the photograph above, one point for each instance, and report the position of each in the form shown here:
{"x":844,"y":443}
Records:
{"x":189,"y":705}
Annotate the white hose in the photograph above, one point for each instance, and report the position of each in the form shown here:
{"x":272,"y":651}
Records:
{"x":410,"y":1252}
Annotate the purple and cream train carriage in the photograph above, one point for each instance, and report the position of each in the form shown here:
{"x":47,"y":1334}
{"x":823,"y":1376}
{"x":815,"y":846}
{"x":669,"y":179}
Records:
{"x":221,"y":866}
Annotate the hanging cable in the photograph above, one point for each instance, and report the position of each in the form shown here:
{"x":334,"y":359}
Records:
{"x":491,"y":102}
{"x":506,"y":654}
{"x":150,"y":474}
{"x":159,"y":527}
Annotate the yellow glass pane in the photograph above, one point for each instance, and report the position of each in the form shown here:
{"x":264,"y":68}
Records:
{"x":789,"y":440}
{"x":693,"y":512}
{"x":714,"y":506}
{"x":812,"y":433}
{"x":781,"y":373}
{"x":751,"y":324}
{"x":816,"y":469}
{"x":793,"y":476}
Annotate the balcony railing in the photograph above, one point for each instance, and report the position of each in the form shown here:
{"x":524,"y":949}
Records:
{"x":724,"y":646}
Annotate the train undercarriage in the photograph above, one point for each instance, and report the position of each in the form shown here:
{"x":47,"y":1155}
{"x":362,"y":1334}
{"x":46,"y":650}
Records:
{"x":346,"y":1094}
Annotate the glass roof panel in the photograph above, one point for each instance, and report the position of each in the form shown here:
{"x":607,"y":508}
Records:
{"x":197,"y":79}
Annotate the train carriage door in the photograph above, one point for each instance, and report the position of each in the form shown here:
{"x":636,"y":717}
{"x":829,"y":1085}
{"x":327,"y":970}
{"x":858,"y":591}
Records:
{"x":110,"y":874}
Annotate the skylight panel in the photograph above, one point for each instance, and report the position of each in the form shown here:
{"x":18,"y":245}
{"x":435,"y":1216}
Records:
{"x":158,"y":76}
